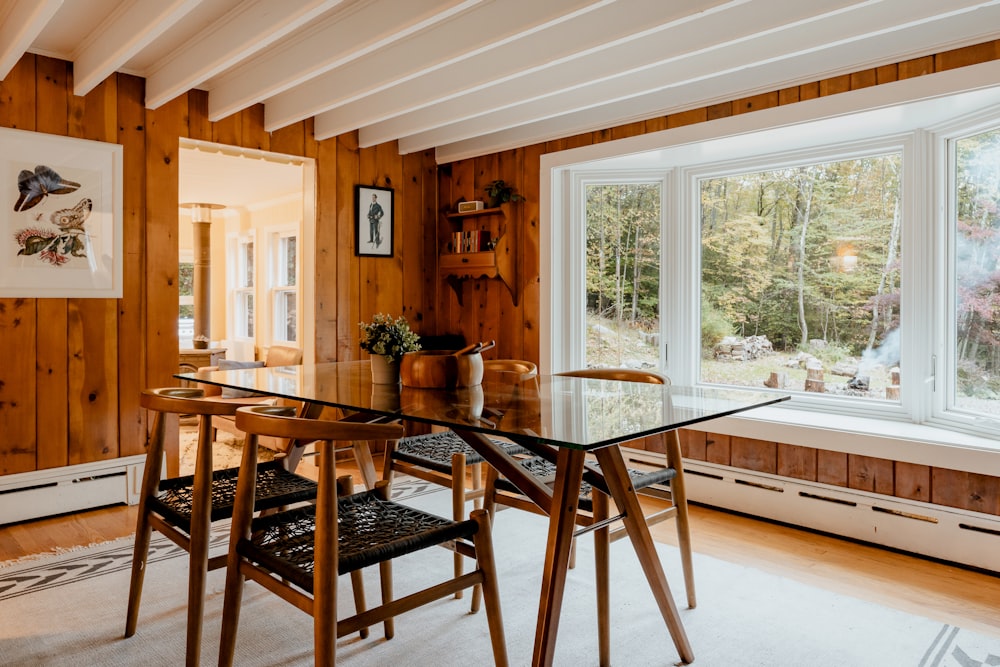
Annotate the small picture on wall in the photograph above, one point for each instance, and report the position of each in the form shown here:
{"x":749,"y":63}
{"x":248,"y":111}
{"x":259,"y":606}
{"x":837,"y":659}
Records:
{"x":373,"y":225}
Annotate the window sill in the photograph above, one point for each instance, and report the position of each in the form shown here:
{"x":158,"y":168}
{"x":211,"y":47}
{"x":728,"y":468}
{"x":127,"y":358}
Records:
{"x":897,"y":441}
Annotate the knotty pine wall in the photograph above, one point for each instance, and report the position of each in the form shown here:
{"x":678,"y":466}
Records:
{"x":72,"y":369}
{"x":489,"y":311}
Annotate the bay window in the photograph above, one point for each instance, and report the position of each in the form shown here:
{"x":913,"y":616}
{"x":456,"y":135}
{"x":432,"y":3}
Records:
{"x":849,"y":259}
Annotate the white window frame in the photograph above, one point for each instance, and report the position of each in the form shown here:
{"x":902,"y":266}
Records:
{"x":276,"y":287}
{"x":920,"y":425}
{"x":235,"y":288}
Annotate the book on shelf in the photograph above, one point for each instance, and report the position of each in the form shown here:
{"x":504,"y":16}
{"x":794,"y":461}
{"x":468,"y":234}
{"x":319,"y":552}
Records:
{"x":475,"y":240}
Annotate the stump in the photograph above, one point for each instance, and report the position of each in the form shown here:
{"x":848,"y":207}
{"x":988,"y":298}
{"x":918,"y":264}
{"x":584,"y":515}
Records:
{"x":777,"y":381}
{"x":814,"y":380}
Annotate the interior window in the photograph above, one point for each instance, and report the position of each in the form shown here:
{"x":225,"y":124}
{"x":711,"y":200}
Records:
{"x":244,"y":292}
{"x":284,"y":290}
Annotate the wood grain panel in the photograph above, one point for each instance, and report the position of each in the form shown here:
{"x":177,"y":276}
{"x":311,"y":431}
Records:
{"x":164,"y":127}
{"x":753,"y":454}
{"x":17,"y":386}
{"x":18,"y":376}
{"x":693,"y":444}
{"x":348,"y":266}
{"x":798,"y":462}
{"x":912,"y":481}
{"x":965,"y":490}
{"x":327,"y":278}
{"x":92,"y":324}
{"x":131,"y":322}
{"x":831,"y":468}
{"x":717,"y":449}
{"x":53,"y":83}
{"x":868,"y":473}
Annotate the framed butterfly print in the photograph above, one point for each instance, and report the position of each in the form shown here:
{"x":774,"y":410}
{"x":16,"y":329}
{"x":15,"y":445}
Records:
{"x":60,"y":216}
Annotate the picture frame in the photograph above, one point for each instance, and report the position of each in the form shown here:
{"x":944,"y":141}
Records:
{"x":60,"y":216}
{"x":373,"y":237}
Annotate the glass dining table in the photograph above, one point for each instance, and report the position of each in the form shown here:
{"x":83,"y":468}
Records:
{"x":560,"y":417}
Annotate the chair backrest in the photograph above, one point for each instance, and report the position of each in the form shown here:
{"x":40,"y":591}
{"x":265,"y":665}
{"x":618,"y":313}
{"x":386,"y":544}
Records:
{"x":184,"y":401}
{"x":280,"y":422}
{"x":623,"y":374}
{"x":281,"y":355}
{"x":527,"y":369}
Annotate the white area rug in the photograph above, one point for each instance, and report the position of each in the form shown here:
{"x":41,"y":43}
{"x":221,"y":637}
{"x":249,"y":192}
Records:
{"x":70,"y":610}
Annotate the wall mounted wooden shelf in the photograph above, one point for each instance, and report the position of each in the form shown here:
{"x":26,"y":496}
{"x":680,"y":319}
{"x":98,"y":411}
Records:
{"x":456,"y":267}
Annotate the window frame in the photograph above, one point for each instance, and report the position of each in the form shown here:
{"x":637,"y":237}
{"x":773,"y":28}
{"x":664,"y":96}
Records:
{"x":276,"y":288}
{"x":922,"y":427}
{"x":235,"y":262}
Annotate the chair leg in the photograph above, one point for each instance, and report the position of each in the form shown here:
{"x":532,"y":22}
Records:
{"x":140,"y":553}
{"x":201,"y":519}
{"x":345,"y":487}
{"x":602,"y":548}
{"x":477,"y":485}
{"x":232,"y":602}
{"x":143,"y":530}
{"x":483,"y":541}
{"x":385,"y":578}
{"x":458,"y":506}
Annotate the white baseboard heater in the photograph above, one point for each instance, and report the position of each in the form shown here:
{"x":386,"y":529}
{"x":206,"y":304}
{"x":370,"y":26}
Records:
{"x":946,"y":533}
{"x":41,"y":493}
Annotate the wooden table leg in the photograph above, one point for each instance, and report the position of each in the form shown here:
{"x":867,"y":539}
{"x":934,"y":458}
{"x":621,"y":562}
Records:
{"x":562,"y":524}
{"x":616,"y":476}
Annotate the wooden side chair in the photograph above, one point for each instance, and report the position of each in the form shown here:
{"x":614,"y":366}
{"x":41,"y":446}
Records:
{"x":183,"y":508}
{"x":444,"y":458}
{"x":299,"y":553}
{"x":665,"y":483}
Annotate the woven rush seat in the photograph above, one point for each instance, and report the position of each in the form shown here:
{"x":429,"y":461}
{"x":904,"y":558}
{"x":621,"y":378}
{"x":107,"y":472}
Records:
{"x":434,"y":450}
{"x":275,"y":487}
{"x":371,"y":530}
{"x":545,"y":470}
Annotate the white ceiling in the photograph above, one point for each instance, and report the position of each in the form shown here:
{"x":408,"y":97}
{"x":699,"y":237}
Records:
{"x":470,"y":77}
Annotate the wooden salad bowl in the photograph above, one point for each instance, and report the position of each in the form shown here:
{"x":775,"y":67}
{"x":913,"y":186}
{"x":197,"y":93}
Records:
{"x":442,"y":369}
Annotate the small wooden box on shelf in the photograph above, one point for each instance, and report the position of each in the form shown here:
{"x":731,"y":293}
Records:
{"x":487,"y":253}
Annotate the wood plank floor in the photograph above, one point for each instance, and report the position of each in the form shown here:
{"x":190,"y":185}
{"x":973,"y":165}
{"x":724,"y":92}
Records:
{"x":955,"y":595}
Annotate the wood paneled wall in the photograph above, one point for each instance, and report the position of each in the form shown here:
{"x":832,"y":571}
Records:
{"x":73,"y":368}
{"x":488,"y":311}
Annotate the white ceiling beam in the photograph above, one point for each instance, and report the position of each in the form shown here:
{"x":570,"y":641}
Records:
{"x":482,"y":28}
{"x":696,"y":32}
{"x":235,"y":37}
{"x":122,"y":36}
{"x":871,"y":28}
{"x":361,"y":29}
{"x":727,"y":86}
{"x":21,"y":21}
{"x":601,"y":28}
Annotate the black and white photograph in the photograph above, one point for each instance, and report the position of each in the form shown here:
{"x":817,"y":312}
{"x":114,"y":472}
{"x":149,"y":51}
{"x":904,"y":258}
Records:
{"x":373,"y":223}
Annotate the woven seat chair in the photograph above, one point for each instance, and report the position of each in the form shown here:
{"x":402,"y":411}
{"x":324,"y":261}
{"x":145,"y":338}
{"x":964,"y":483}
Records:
{"x":444,"y":458}
{"x":299,"y":553}
{"x":665,"y":482}
{"x":183,"y":508}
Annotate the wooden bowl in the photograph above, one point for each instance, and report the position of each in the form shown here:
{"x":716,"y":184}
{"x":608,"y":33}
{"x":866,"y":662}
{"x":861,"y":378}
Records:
{"x":441,"y":369}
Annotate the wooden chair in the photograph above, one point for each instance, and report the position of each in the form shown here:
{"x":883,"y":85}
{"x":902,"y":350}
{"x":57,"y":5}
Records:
{"x":665,"y":483}
{"x":340,"y":535}
{"x":183,"y":508}
{"x":444,"y":458}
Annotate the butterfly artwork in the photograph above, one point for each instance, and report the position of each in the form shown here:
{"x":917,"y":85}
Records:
{"x":57,"y":246}
{"x":34,"y":187}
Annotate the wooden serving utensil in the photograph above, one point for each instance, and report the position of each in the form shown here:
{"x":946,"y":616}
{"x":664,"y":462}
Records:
{"x":474,"y":348}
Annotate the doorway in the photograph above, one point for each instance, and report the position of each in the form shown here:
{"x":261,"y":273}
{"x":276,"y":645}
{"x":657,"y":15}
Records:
{"x":246,"y":239}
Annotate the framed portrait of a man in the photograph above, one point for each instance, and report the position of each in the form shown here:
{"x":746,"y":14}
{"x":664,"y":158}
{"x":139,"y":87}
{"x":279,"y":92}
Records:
{"x":373,"y":225}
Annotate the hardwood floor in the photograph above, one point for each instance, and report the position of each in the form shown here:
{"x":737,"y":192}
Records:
{"x":950,"y":594}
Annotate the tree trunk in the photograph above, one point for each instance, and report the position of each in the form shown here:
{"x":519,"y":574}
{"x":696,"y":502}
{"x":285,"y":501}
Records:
{"x":803,"y":207}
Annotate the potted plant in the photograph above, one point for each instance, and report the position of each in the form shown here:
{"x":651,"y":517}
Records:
{"x":387,"y":340}
{"x":499,"y":192}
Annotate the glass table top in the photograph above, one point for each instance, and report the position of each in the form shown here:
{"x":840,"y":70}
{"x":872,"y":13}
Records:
{"x":575,"y":412}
